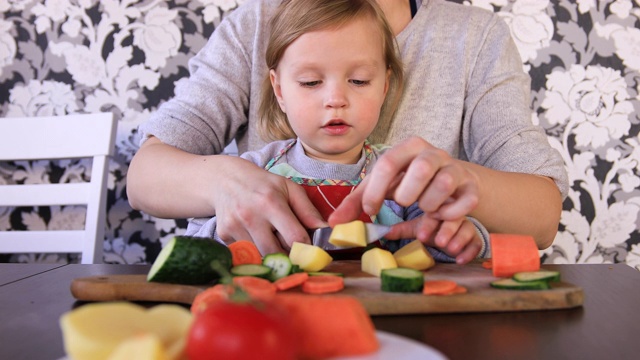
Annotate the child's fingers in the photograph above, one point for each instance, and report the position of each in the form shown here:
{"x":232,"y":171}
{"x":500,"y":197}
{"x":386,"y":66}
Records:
{"x":469,"y":253}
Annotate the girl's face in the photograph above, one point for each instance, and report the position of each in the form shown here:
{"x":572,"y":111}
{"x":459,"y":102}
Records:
{"x":331,"y":84}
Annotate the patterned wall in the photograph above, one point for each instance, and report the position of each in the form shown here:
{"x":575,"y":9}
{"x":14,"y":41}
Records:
{"x":125,"y":56}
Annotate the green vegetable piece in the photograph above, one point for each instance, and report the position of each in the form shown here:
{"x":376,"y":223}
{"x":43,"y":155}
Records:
{"x":401,"y":280}
{"x":185,"y":260}
{"x":256,"y":270}
{"x":279,"y":263}
{"x":542,"y":275}
{"x":510,"y":284}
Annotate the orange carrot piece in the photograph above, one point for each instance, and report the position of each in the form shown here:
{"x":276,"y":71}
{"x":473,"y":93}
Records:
{"x":245,"y":252}
{"x":323,"y":284}
{"x":487,"y":264}
{"x":458,"y":290}
{"x":329,"y":326}
{"x":512,"y":253}
{"x":291,"y":281}
{"x":218,"y":292}
{"x":257,"y":288}
{"x":438,"y":287}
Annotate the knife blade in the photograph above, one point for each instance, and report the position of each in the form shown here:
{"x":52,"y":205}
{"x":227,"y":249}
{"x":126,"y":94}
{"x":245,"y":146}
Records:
{"x":374,"y":232}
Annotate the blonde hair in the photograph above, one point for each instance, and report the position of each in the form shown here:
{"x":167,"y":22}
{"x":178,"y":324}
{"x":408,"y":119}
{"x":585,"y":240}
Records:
{"x":297,"y":17}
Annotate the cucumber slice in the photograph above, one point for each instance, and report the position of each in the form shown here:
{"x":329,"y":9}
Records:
{"x":401,"y":280}
{"x":279,"y":263}
{"x":510,"y":284}
{"x":185,"y":260}
{"x":319,"y":273}
{"x":256,"y":270}
{"x":542,"y":275}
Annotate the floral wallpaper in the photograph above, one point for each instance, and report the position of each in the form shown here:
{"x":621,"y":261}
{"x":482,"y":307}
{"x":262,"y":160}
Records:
{"x":126,"y":56}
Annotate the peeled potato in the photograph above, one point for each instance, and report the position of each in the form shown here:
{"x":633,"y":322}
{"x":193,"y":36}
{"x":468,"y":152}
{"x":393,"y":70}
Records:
{"x":309,"y":257}
{"x":375,"y":260}
{"x":95,"y":330}
{"x":350,"y":234}
{"x":140,"y":347}
{"x":414,"y":256}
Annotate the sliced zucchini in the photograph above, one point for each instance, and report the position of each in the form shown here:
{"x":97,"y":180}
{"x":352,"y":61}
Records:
{"x":510,"y":284}
{"x":319,"y":273}
{"x":401,"y":280}
{"x":279,"y":263}
{"x":542,"y":275}
{"x":256,"y":270}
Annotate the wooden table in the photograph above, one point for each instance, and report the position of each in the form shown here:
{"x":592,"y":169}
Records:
{"x":606,"y":327}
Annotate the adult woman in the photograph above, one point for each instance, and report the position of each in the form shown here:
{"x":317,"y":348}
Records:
{"x":466,"y":97}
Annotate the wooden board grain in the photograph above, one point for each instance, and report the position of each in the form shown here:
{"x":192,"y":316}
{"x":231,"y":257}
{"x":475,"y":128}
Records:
{"x":481,"y":297}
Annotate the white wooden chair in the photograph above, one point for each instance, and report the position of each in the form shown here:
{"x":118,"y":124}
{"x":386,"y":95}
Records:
{"x":59,"y":137}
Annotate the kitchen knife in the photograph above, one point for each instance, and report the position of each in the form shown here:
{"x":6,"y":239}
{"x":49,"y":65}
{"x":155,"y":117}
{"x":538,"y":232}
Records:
{"x":374,"y":232}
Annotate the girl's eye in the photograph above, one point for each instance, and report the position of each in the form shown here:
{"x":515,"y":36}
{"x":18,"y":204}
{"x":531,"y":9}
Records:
{"x":360,"y":82}
{"x":309,"y":83}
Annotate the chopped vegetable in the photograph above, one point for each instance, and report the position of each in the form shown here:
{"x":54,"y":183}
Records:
{"x":280,"y":265}
{"x":309,"y":257}
{"x":291,"y":281}
{"x":260,"y":271}
{"x":351,"y":234}
{"x":320,"y":273}
{"x":401,"y":280}
{"x":414,"y":255}
{"x":376,"y":259}
{"x":510,"y":284}
{"x":544,"y":275}
{"x":257,"y":288}
{"x":323,"y":284}
{"x":458,"y":290}
{"x":185,"y":260}
{"x":438,"y":287}
{"x":330,"y":326}
{"x":245,"y":252}
{"x":513,"y":253}
{"x":487,"y":264}
{"x":211,"y":295}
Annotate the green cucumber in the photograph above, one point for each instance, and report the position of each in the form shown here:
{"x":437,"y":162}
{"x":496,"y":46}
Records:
{"x":542,"y":275}
{"x":256,"y":270}
{"x":186,"y":260}
{"x":510,"y":284}
{"x":402,"y":280}
{"x":279,"y":263}
{"x":320,"y":273}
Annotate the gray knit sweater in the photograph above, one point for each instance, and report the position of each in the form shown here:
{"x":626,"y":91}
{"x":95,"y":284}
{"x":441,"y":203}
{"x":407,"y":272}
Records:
{"x":466,"y":91}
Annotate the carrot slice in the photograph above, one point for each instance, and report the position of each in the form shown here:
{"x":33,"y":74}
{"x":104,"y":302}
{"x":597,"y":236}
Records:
{"x":329,"y":326}
{"x":245,"y":252}
{"x":458,"y":290}
{"x":291,"y":281}
{"x":219,"y":292}
{"x":487,"y":264}
{"x":438,"y":287}
{"x":257,"y":288}
{"x":513,"y":253}
{"x":323,"y":284}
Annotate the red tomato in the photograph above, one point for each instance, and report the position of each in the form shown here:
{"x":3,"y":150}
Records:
{"x":228,"y":330}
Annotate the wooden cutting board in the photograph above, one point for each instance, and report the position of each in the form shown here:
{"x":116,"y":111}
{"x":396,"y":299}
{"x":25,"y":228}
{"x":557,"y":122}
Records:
{"x":481,"y":297}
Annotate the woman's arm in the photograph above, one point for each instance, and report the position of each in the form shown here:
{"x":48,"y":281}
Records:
{"x":250,"y":203}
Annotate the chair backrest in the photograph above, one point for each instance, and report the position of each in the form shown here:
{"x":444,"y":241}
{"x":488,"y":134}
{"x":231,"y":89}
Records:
{"x":59,"y":137}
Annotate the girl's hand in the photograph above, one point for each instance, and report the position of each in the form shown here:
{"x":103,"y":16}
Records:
{"x":414,"y":171}
{"x":457,"y":238}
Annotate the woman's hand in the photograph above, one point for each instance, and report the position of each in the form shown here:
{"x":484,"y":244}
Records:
{"x":266,"y":208}
{"x":249,"y":202}
{"x":414,"y":171}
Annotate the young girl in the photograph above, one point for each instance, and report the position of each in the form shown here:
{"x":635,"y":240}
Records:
{"x":332,"y":64}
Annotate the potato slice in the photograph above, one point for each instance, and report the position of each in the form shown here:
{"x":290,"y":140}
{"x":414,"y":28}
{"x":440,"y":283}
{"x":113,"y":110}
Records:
{"x":376,"y":259}
{"x":414,"y":256}
{"x":94,"y":331}
{"x":140,"y":347}
{"x":309,"y":257}
{"x":350,"y":234}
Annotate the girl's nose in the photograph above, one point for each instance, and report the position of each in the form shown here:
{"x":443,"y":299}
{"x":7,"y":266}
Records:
{"x":336,"y":97}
